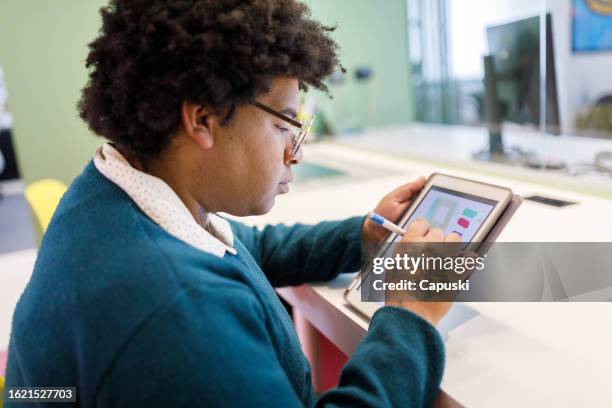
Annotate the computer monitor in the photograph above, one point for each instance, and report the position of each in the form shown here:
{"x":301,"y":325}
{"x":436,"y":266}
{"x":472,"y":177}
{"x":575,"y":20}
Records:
{"x":512,"y":80}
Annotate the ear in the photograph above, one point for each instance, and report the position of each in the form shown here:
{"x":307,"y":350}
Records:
{"x":197,"y":122}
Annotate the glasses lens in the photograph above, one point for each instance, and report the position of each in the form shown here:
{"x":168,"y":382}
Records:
{"x":302,"y":135}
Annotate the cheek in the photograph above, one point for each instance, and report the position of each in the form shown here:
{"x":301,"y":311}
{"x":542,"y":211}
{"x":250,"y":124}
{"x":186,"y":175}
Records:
{"x":268,"y":158}
{"x":269,"y":173}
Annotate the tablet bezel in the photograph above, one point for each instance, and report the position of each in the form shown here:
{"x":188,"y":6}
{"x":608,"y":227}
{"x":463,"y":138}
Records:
{"x":502,"y":195}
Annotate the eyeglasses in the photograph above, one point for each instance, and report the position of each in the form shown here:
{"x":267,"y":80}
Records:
{"x":301,"y":132}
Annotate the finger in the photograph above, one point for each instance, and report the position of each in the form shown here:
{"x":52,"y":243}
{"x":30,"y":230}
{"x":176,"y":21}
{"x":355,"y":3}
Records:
{"x":435,"y":235}
{"x":416,"y":230}
{"x":454,"y":241}
{"x":407,"y":191}
{"x":453,"y":237}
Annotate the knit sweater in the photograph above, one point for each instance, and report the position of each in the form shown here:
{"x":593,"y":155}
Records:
{"x":133,"y":316}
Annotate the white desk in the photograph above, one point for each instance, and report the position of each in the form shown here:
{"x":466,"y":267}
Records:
{"x":511,"y":354}
{"x":15,"y":270}
{"x":17,"y":251}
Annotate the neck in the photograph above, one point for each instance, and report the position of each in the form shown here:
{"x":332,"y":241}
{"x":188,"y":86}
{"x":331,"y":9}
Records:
{"x":171,"y":173}
{"x":178,"y":182}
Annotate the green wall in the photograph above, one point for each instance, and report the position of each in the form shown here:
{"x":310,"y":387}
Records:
{"x":43,"y":45}
{"x":370,"y":33}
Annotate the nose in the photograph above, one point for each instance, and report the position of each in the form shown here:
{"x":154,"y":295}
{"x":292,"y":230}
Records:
{"x":296,"y":158}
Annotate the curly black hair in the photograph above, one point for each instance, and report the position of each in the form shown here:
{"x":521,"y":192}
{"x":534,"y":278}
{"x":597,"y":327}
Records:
{"x":151,"y":55}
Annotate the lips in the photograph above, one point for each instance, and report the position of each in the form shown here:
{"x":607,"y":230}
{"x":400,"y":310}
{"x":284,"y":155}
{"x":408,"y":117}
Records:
{"x":284,"y":186}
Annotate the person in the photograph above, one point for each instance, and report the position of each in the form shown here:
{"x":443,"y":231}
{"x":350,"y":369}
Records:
{"x":142,"y":294}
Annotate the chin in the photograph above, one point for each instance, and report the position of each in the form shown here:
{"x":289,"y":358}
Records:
{"x":261,"y":208}
{"x":266,"y":206}
{"x":247,"y":210}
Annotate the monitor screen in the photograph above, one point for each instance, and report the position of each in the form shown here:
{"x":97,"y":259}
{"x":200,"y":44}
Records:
{"x":515,"y":48}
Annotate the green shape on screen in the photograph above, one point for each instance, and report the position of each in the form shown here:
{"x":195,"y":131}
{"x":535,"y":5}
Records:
{"x":468,"y":212}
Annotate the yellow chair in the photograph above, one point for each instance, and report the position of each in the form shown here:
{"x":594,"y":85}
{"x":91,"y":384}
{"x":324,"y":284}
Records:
{"x":43,"y":197}
{"x":2,"y":368}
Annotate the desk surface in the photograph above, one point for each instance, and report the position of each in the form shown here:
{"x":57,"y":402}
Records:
{"x":509,"y":355}
{"x":17,"y":251}
{"x":15,"y":270}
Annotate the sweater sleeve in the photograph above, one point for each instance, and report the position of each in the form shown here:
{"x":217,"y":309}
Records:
{"x":292,"y":255}
{"x":210,"y":347}
{"x":399,"y":363}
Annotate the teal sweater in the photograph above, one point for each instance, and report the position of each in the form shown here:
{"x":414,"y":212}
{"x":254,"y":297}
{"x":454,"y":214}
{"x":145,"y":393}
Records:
{"x":134,"y":317}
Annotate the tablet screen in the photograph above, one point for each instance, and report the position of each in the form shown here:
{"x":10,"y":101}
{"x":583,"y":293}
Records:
{"x":453,"y":211}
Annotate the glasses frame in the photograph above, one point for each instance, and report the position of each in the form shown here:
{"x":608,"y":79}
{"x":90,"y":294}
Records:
{"x":303,"y":128}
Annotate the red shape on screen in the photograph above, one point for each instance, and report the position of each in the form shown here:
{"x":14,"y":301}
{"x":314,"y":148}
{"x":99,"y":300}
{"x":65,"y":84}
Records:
{"x":463,"y":222}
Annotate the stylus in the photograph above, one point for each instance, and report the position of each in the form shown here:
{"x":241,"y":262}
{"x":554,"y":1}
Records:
{"x":383,"y":222}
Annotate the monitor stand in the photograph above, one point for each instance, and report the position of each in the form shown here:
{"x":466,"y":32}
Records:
{"x":496,"y":152}
{"x":514,"y":155}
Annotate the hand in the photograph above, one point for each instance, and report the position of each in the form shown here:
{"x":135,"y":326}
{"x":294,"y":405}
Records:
{"x":392,"y":206}
{"x":419,"y":231}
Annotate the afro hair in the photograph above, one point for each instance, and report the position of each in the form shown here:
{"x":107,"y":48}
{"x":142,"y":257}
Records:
{"x":151,"y":55}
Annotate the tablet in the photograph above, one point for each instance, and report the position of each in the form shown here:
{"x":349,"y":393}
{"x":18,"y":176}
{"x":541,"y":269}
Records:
{"x":466,"y":207}
{"x":476,"y":211}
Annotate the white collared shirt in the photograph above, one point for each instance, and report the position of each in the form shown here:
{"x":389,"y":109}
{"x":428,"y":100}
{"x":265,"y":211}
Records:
{"x":160,"y":203}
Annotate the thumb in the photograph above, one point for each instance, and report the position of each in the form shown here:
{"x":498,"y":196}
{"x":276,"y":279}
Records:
{"x":407,"y":191}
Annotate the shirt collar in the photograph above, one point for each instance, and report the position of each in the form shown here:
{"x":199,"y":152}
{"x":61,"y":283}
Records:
{"x":160,"y":203}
